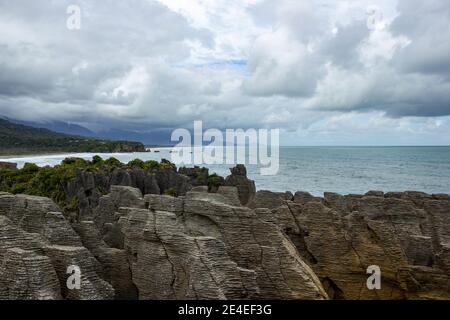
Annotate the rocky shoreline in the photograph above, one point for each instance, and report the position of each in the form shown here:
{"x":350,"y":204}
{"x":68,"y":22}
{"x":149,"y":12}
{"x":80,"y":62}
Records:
{"x":220,"y":239}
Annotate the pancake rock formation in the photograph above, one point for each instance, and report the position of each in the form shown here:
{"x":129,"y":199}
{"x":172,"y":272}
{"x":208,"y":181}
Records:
{"x":228,"y":243}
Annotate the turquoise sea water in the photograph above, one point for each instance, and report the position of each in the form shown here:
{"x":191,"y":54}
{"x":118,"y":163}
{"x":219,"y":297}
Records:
{"x":336,"y":169}
{"x":360,"y":169}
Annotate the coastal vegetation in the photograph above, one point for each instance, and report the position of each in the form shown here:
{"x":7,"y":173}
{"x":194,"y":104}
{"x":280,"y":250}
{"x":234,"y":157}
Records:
{"x":50,"y":181}
{"x":55,"y":181}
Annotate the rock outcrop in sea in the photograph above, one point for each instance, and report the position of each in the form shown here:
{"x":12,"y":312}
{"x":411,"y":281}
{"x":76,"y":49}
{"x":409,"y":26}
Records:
{"x":233,"y":243}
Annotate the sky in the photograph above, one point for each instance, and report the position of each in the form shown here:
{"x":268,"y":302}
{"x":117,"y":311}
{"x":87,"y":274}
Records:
{"x":348,"y":72}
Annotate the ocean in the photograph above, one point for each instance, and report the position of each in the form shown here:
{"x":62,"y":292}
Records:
{"x":344,"y":170}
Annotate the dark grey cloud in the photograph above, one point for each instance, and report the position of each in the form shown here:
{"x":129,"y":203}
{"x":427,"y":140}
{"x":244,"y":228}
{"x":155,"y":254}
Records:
{"x":41,"y":60}
{"x":427,"y":24}
{"x":402,"y":70}
{"x":143,"y":64}
{"x":341,"y":48}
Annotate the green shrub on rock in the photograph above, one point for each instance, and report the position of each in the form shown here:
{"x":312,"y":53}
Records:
{"x":152,"y":164}
{"x":79,"y":162}
{"x":30,"y":168}
{"x":215,"y":180}
{"x":97,"y":160}
{"x":51,"y":182}
{"x":137,"y":163}
{"x":113,"y":162}
{"x":166,"y":164}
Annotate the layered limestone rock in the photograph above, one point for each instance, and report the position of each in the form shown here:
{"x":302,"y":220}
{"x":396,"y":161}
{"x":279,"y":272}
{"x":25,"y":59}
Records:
{"x":234,"y":243}
{"x":404,"y":234}
{"x":114,"y":262}
{"x":37,"y":247}
{"x":88,"y":187}
{"x":24,"y":275}
{"x":107,"y":214}
{"x":204,"y":246}
{"x":246,"y":187}
{"x":102,"y":236}
{"x":197,"y":176}
{"x":92,"y":286}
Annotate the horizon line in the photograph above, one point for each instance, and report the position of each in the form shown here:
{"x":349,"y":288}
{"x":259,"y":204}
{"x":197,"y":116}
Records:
{"x":318,"y":146}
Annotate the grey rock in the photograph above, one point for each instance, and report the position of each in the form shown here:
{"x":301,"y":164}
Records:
{"x":38,"y":244}
{"x":151,"y":185}
{"x":164,"y":203}
{"x":200,"y":189}
{"x":246,"y":187}
{"x":58,"y":231}
{"x":106,"y":215}
{"x":169,"y":179}
{"x":197,"y":176}
{"x":25,"y":275}
{"x":267,"y":199}
{"x":374,"y":193}
{"x":117,"y":272}
{"x":305,"y":197}
{"x":405,"y":234}
{"x":213,"y":250}
{"x":204,"y":245}
{"x":92,"y":286}
{"x":231,"y":194}
{"x":27,"y":212}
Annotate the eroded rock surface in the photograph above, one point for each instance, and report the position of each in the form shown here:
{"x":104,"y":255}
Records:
{"x":88,"y":187}
{"x":234,"y":243}
{"x":37,"y":246}
{"x":405,"y":234}
{"x":246,"y":187}
{"x":206,"y":247}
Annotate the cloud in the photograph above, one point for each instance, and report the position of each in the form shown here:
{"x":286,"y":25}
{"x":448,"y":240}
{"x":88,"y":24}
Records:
{"x":402,"y":69}
{"x":297,"y":65}
{"x":280,"y":65}
{"x":426,"y":24}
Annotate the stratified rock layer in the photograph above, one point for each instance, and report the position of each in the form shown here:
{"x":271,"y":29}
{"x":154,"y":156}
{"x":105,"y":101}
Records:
{"x":206,"y":247}
{"x":37,"y":247}
{"x":404,"y":234}
{"x":234,"y":243}
{"x":25,"y":275}
{"x":246,"y":187}
{"x":88,"y":187}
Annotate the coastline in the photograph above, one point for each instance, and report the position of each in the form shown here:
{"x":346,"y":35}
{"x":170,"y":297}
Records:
{"x":349,"y":170}
{"x":5,"y":155}
{"x":152,"y":229}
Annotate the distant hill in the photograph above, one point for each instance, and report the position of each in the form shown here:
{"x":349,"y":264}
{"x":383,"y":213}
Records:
{"x":18,"y":138}
{"x":58,"y":126}
{"x":151,"y":138}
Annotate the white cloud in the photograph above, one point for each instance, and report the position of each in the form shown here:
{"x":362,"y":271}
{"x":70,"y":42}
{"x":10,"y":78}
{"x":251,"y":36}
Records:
{"x":310,"y":67}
